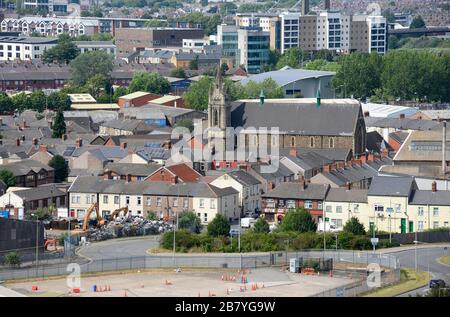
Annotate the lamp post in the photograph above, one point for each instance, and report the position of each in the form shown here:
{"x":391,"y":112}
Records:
{"x":37,"y":241}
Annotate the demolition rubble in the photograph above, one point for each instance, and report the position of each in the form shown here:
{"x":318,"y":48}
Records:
{"x":127,"y":226}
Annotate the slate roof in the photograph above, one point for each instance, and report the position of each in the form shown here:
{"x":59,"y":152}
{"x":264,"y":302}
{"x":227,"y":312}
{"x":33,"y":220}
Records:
{"x":428,"y":197}
{"x":40,"y":192}
{"x":244,"y":178}
{"x":293,"y":190}
{"x":392,"y":186}
{"x":298,"y":116}
{"x":345,"y":195}
{"x":323,"y":155}
{"x":127,"y":125}
{"x":25,"y":166}
{"x":89,"y":184}
{"x":401,"y":124}
{"x":132,"y":169}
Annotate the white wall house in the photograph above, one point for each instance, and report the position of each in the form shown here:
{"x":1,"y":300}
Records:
{"x":23,"y":48}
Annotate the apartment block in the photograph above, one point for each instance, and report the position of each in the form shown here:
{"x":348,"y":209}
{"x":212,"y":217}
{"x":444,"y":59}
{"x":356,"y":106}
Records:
{"x":23,"y":48}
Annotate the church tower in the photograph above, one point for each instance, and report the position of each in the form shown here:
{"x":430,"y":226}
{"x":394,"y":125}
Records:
{"x":219,"y":114}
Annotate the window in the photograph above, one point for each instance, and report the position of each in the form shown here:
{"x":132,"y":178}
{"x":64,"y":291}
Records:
{"x":308,"y":204}
{"x":329,"y":209}
{"x":319,"y":205}
{"x":186,"y":203}
{"x":420,"y":225}
{"x":356,"y":208}
{"x":445,"y":224}
{"x":105,"y":199}
{"x":158,"y":201}
{"x":311,"y":142}
{"x":290,"y":203}
{"x":339,"y":209}
{"x":420,"y":211}
{"x":149,"y":201}
{"x":331,"y":143}
{"x":435,"y":224}
{"x":139,"y":200}
{"x":175,"y":202}
{"x":337,"y":222}
{"x":127,"y":200}
{"x":205,"y":217}
{"x":75,"y":199}
{"x":378,"y":208}
{"x":435,"y":211}
{"x":116,"y":200}
{"x":202,"y":203}
{"x":212,"y":203}
{"x":292,"y":141}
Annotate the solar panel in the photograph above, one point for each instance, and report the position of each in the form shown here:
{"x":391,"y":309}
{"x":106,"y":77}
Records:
{"x":68,"y":151}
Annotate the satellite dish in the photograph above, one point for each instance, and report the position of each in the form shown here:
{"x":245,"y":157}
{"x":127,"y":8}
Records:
{"x":373,"y":9}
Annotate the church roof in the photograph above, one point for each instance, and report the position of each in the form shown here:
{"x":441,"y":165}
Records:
{"x":337,"y":117}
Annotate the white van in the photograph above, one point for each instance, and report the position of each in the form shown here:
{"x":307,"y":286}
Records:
{"x":247,"y":222}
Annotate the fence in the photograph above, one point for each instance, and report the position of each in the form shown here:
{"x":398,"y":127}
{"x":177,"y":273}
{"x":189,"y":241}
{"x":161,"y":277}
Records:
{"x":427,"y":237}
{"x":234,"y":261}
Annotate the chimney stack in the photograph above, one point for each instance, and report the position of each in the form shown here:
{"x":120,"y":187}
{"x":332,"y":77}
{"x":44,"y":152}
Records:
{"x":293,"y":152}
{"x":35,"y":141}
{"x":348,"y":185}
{"x":43,"y":148}
{"x":384,"y":153}
{"x":366,"y":113}
{"x":123,"y":145}
{"x":64,"y":137}
{"x":402,"y":116}
{"x":444,"y":149}
{"x":78,"y":142}
{"x":24,"y":124}
{"x":18,"y":142}
{"x":434,"y":186}
{"x":302,"y":183}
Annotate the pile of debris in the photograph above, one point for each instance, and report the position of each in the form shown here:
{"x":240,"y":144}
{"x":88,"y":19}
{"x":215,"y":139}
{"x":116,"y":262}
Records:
{"x":127,"y":226}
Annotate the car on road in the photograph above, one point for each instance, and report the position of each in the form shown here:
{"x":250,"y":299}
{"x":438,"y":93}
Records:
{"x":247,"y":222}
{"x":436,"y":283}
{"x":234,"y":232}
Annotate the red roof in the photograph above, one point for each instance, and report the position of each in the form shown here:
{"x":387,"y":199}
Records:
{"x":185,"y":173}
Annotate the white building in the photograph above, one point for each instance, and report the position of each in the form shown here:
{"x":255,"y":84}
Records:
{"x":23,"y":48}
{"x":105,"y":46}
{"x":290,"y":32}
{"x":195,"y":44}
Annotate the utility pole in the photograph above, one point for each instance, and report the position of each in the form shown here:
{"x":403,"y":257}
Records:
{"x":37,"y":241}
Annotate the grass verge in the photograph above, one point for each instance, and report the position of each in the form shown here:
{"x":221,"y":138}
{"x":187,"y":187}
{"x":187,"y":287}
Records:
{"x":409,"y":280}
{"x":444,"y":260}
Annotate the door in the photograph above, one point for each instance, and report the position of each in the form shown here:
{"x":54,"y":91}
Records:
{"x":411,"y":226}
{"x":403,"y":225}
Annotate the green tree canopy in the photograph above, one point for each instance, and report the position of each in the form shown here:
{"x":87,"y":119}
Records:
{"x":298,"y":220}
{"x":193,"y":65}
{"x":261,"y":226}
{"x":178,"y":73}
{"x":149,"y":82}
{"x":268,"y":86}
{"x":358,"y":74}
{"x":190,"y":220}
{"x":219,"y":226}
{"x":355,"y":227}
{"x":292,"y":57}
{"x":59,"y":125}
{"x":89,"y":64}
{"x":417,"y":23}
{"x":58,"y":101}
{"x":7,"y":177}
{"x":185,"y":123}
{"x":196,"y":97}
{"x":61,"y":53}
{"x":6,"y":104}
{"x":96,"y":84}
{"x":61,"y":168}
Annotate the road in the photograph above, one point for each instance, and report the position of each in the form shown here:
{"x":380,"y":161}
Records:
{"x":427,"y":262}
{"x":119,"y":248}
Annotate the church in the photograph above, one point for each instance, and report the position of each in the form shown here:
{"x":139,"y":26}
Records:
{"x":309,"y":123}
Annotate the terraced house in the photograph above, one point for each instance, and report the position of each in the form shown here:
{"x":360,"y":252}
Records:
{"x":163,"y":198}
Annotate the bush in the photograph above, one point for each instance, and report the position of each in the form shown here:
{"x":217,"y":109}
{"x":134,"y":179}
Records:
{"x":190,"y":220}
{"x":13,"y":259}
{"x":151,"y":215}
{"x":184,"y":239}
{"x":261,"y":226}
{"x":384,"y":243}
{"x":298,"y":220}
{"x":219,"y":226}
{"x":354,"y":226}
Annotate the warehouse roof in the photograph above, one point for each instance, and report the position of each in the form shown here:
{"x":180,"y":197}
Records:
{"x":287,"y":75}
{"x":135,"y":94}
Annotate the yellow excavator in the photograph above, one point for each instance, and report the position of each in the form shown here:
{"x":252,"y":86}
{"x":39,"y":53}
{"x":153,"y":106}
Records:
{"x":87,"y":216}
{"x":116,"y":212}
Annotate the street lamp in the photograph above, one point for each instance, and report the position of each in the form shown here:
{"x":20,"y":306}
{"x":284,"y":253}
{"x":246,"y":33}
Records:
{"x":37,"y":241}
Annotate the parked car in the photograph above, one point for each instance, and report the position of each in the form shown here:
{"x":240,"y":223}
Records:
{"x":436,"y":283}
{"x":234,"y":232}
{"x":252,"y":214}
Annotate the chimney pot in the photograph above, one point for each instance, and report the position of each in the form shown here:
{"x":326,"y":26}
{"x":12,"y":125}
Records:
{"x":434,"y":186}
{"x":18,"y":142}
{"x":35,"y":141}
{"x":366,"y":113}
{"x":79,"y":143}
{"x":123,"y":145}
{"x":43,"y":148}
{"x":402,"y":116}
{"x":293,"y":152}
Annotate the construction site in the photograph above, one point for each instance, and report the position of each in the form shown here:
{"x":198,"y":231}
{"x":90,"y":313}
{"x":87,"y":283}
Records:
{"x":261,"y":282}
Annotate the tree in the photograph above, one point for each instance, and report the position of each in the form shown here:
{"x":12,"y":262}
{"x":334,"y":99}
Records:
{"x":96,"y":84}
{"x":193,"y":65}
{"x":355,"y":227}
{"x":6,"y":104}
{"x":417,"y":23}
{"x":261,"y":226}
{"x":119,"y":92}
{"x":59,"y":125}
{"x":89,"y":64}
{"x":20,"y":102}
{"x":185,"y":123}
{"x":8,"y":177}
{"x":61,"y":168}
{"x":196,"y":97}
{"x":219,"y":226}
{"x":58,"y":101}
{"x":298,"y":220}
{"x":40,"y":214}
{"x":178,"y":73}
{"x":190,"y":220}
{"x":268,"y":86}
{"x":292,"y":57}
{"x":37,"y":100}
{"x":358,"y":75}
{"x":151,"y":215}
{"x":274,"y":56}
{"x":223,"y":68}
{"x":63,"y":52}
{"x":324,"y":54}
{"x":149,"y":82}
